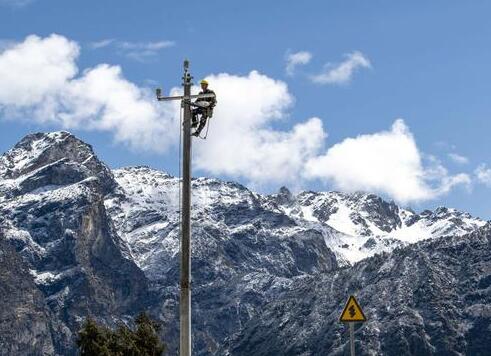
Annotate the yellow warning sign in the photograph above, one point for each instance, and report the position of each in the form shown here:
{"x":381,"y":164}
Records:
{"x":352,"y":311}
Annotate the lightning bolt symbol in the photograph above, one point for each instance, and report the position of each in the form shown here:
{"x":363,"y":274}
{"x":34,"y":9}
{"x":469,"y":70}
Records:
{"x":352,"y":311}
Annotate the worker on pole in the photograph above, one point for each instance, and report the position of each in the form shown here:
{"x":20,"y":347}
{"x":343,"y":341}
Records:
{"x":205,"y":101}
{"x":203,"y":108}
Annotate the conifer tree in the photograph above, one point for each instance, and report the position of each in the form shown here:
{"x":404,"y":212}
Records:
{"x":143,"y":340}
{"x":93,"y":339}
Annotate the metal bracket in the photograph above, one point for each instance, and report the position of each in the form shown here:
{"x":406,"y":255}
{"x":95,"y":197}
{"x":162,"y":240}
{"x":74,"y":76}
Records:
{"x":182,"y":97}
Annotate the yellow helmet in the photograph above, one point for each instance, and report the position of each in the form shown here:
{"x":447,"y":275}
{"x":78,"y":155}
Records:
{"x":204,"y":81}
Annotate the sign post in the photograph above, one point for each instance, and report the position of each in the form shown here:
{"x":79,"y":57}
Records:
{"x":351,"y":314}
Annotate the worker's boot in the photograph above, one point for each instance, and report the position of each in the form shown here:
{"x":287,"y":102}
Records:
{"x":194,"y":122}
{"x":200,"y":128}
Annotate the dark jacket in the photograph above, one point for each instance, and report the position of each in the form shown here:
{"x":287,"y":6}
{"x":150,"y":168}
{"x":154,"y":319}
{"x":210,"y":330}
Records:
{"x":212,"y":101}
{"x":208,"y":111}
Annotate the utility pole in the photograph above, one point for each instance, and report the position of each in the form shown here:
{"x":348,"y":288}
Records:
{"x":185,"y":246}
{"x":185,"y":300}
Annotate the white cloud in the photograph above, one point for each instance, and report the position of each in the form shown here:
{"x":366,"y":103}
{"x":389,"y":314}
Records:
{"x":98,"y":99}
{"x":444,"y":145}
{"x":36,"y":69}
{"x":342,"y":73}
{"x":458,"y":158}
{"x":295,"y":59}
{"x":101,"y":44}
{"x":242,"y":141}
{"x":388,"y":162}
{"x":140,"y":51}
{"x":483,"y":174}
{"x":102,"y":99}
{"x":151,"y":46}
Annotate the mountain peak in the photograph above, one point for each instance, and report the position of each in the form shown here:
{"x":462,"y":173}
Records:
{"x":93,"y":250}
{"x":39,"y":150}
{"x":41,"y":141}
{"x":284,"y":196}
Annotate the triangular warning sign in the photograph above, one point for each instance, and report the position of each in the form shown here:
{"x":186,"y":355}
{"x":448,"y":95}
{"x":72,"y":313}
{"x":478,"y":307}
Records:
{"x":352,"y":311}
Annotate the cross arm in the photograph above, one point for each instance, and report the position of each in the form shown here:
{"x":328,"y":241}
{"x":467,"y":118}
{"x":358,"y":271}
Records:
{"x":182,"y":97}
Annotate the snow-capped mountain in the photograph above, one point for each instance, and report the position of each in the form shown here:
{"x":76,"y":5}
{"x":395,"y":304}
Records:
{"x":88,"y":240}
{"x":430,"y":298}
{"x":66,"y":253}
{"x":369,"y":225}
{"x":354,"y":226}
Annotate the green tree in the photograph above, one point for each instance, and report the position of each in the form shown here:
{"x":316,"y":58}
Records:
{"x":93,"y":339}
{"x":146,"y":336}
{"x":99,"y":340}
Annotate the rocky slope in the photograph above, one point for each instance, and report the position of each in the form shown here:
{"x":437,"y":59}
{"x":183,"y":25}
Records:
{"x":26,"y":324}
{"x":92,"y":241}
{"x":371,"y":225}
{"x":244,"y":248}
{"x":52,"y":213}
{"x":433,"y":298}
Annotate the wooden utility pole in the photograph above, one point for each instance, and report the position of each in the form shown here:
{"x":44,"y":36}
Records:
{"x":185,"y":251}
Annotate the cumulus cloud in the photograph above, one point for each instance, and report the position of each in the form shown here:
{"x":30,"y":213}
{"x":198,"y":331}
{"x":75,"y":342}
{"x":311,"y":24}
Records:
{"x":99,"y":98}
{"x":458,"y":158}
{"x":388,"y":162}
{"x":483,"y":174}
{"x":295,"y":59}
{"x":242,"y":141}
{"x":245,"y":140}
{"x":51,"y":61}
{"x":140,"y":51}
{"x":341,"y":73}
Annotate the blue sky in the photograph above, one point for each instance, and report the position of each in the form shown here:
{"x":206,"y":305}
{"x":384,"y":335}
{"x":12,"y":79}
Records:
{"x":428,"y":64}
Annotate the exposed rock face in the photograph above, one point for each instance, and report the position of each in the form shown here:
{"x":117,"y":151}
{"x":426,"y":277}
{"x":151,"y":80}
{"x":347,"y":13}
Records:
{"x":366,"y":224}
{"x":53,"y":214}
{"x":39,"y":150}
{"x":25,"y":321}
{"x":432,"y":298}
{"x":269,"y":272}
{"x":244,"y":249}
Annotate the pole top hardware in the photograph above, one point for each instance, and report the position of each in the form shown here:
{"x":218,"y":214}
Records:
{"x":187,"y":80}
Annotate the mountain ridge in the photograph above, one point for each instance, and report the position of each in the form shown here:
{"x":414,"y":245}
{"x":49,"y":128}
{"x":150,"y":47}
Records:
{"x":105,"y":243}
